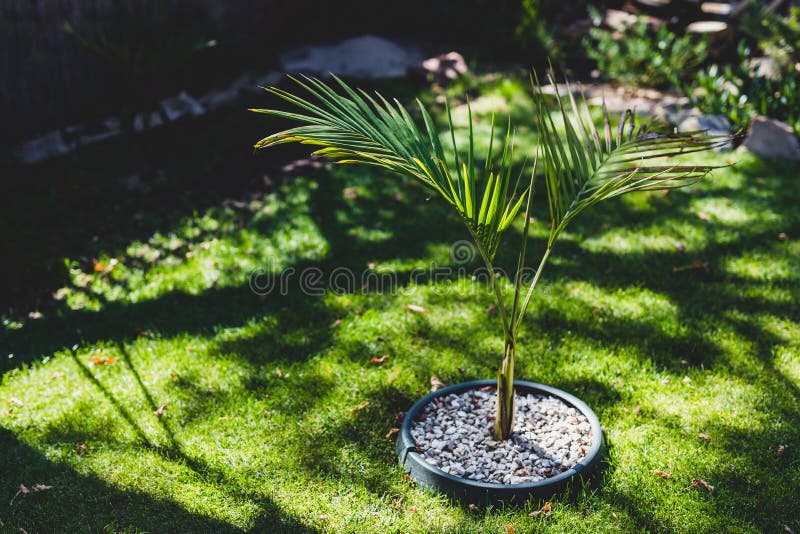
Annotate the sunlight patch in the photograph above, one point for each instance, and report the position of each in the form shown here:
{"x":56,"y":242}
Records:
{"x":760,"y":265}
{"x":630,"y":303}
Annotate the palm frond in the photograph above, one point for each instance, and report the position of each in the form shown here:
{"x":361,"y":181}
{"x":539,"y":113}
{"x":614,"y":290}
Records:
{"x":352,"y":126}
{"x":583,"y":167}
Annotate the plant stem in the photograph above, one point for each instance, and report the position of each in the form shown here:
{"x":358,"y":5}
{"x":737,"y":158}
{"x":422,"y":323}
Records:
{"x":518,"y":320}
{"x":506,"y":409}
{"x":507,"y":321}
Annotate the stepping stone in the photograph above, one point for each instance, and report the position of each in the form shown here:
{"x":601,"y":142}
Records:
{"x":716,"y":8}
{"x":180,"y":106}
{"x":654,"y":3}
{"x":47,"y":146}
{"x":146,"y":120}
{"x":708,"y":27}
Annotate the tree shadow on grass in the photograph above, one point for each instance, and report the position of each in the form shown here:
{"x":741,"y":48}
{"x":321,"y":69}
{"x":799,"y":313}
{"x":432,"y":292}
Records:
{"x":87,"y":503}
{"x":759,"y":489}
{"x":158,"y":514}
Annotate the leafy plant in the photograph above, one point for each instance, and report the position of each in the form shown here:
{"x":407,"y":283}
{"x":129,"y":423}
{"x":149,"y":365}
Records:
{"x":639,"y":56}
{"x":581,"y":167}
{"x":775,"y":36}
{"x":740,"y":92}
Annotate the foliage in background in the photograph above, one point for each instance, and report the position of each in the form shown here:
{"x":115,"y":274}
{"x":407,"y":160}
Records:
{"x":532,"y":30}
{"x":739,"y":92}
{"x":641,"y":56}
{"x":776,"y":36}
{"x":763,"y":78}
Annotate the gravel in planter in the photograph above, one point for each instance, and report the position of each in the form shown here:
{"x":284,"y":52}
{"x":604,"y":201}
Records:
{"x":454,"y":433}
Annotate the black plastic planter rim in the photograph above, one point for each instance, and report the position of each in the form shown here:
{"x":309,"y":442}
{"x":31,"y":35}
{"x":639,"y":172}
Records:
{"x":483,"y":493}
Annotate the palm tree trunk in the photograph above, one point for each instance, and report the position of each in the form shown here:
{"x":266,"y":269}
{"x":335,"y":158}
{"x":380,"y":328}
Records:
{"x":506,"y":409}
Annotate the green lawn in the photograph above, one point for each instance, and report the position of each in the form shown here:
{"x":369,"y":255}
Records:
{"x":671,"y":315}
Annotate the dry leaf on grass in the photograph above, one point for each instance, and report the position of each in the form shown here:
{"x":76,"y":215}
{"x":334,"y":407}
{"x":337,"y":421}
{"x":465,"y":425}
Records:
{"x":392,"y":433}
{"x":397,"y":501}
{"x":161,"y":411}
{"x":416,"y":309}
{"x":695,"y":265}
{"x":361,"y":406}
{"x":436,"y":384}
{"x":379,"y":361}
{"x":472,"y":506}
{"x":662,"y":474}
{"x":704,"y":437}
{"x":780,"y":450}
{"x":103,"y":360}
{"x":546,"y":509}
{"x":700,"y":483}
{"x":36,"y":488}
{"x":510,"y":529}
{"x":413,"y":509}
{"x":15,"y":401}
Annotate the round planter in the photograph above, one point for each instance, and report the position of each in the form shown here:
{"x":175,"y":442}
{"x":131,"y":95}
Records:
{"x":481,"y":493}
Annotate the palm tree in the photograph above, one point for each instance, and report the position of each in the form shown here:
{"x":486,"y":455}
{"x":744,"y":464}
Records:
{"x":581,"y":167}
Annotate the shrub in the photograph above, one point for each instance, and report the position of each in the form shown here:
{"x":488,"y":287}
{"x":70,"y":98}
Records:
{"x":641,"y":56}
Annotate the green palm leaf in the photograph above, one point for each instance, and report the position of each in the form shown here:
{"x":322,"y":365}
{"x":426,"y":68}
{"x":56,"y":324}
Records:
{"x":354,"y":127}
{"x":583,"y":166}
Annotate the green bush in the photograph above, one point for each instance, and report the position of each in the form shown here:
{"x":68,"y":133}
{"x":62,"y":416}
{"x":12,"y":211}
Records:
{"x":740,"y":89}
{"x":739,"y":92}
{"x":640,"y":56}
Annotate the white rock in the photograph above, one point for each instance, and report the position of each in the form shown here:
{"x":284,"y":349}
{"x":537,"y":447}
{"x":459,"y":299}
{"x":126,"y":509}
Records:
{"x":444,"y":67}
{"x":47,"y":146}
{"x":772,"y":139}
{"x":708,"y":27}
{"x":765,"y":67}
{"x":716,"y":8}
{"x":218,"y":99}
{"x":711,"y":124}
{"x":367,"y":56}
{"x":502,"y":462}
{"x":180,"y":106}
{"x":146,"y":120}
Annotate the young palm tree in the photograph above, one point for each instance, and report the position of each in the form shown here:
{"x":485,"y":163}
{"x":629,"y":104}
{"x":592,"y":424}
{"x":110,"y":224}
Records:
{"x":581,"y":167}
